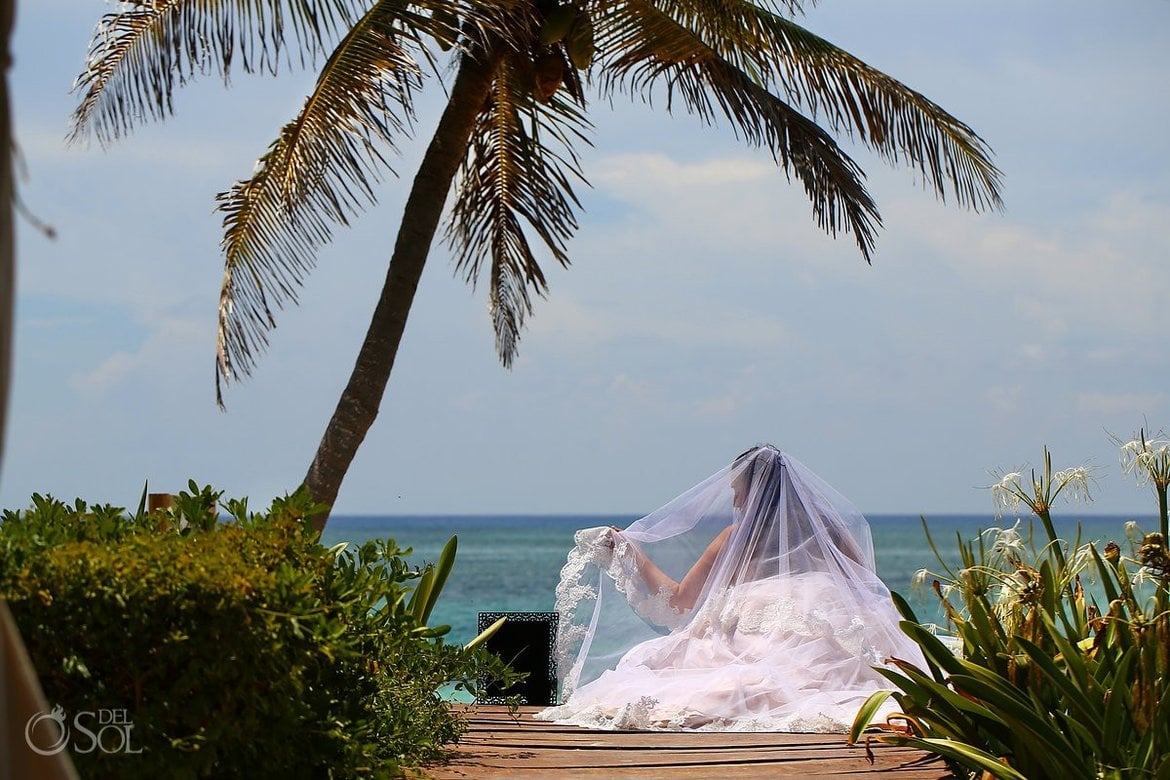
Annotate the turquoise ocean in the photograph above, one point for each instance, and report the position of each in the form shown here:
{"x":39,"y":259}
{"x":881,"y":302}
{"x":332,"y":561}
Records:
{"x":513,"y":563}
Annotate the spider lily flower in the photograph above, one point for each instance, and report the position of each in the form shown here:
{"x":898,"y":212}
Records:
{"x":1007,"y":493}
{"x":1076,"y":480}
{"x":1142,"y":576}
{"x":1007,"y":540}
{"x":1148,"y":460}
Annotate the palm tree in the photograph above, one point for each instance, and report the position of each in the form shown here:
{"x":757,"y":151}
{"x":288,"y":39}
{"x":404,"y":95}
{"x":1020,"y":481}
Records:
{"x":515,"y":113}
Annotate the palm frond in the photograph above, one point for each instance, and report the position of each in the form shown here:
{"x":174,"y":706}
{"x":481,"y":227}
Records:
{"x":894,"y":120}
{"x":518,"y":172}
{"x":139,"y":54}
{"x":319,"y":172}
{"x":644,"y":47}
{"x":897,"y":122}
{"x":832,"y":181}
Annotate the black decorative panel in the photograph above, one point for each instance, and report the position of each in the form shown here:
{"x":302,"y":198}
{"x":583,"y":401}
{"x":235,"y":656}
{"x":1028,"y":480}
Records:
{"x":525,"y":642}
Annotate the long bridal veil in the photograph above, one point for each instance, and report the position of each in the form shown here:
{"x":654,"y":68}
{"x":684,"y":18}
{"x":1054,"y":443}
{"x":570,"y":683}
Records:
{"x":782,"y":633}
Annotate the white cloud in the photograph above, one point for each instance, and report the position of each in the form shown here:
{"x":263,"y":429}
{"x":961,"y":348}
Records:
{"x":1004,"y":400}
{"x":111,"y":371}
{"x":638,"y":176}
{"x":629,"y":389}
{"x":724,"y":209}
{"x":565,"y":320}
{"x":721,"y":406}
{"x":1093,"y":268}
{"x":1112,"y":404}
{"x":169,"y":341}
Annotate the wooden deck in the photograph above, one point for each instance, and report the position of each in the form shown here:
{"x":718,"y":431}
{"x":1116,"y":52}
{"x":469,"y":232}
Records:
{"x":498,"y":746}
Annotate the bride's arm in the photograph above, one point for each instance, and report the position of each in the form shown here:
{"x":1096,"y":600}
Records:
{"x":692,"y":584}
{"x":655,"y":578}
{"x":682,"y":594}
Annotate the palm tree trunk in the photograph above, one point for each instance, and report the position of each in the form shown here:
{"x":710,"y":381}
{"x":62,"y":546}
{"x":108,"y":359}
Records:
{"x":358,"y":406}
{"x":7,"y":200}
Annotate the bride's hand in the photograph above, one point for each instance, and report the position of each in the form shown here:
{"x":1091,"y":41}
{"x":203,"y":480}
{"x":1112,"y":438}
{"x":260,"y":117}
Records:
{"x":610,"y":533}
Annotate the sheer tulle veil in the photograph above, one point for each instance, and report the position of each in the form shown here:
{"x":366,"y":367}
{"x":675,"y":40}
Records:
{"x":780,"y":632}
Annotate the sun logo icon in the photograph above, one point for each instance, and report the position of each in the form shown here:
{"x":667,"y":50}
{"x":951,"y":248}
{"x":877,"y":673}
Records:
{"x":51,"y":730}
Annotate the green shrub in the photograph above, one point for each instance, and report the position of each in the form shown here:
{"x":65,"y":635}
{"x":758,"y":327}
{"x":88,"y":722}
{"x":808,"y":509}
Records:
{"x":1053,"y":681}
{"x":233,"y":649}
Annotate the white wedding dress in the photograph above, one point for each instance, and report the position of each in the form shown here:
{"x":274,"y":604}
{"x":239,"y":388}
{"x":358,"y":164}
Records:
{"x":790,"y":621}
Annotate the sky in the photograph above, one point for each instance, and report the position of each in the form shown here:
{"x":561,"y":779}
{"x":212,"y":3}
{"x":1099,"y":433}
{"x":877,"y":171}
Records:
{"x":703,"y":311}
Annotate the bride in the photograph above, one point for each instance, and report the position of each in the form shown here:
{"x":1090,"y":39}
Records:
{"x":748,"y":603}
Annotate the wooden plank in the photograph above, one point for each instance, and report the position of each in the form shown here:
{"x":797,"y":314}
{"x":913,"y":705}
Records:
{"x":499,"y":746}
{"x":660,"y":739}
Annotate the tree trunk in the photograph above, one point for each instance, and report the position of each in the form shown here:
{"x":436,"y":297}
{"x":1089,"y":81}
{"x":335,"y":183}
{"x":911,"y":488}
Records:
{"x":358,"y":406}
{"x":7,"y":239}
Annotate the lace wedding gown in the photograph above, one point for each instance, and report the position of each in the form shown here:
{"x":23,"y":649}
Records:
{"x":784,"y":635}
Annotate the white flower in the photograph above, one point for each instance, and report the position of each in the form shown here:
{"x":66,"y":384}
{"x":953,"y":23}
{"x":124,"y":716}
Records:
{"x":1129,"y":451}
{"x":1133,"y":453}
{"x":1007,"y":591}
{"x":1146,"y":459}
{"x":1081,"y":558}
{"x":1006,"y":493}
{"x":1142,"y":575}
{"x":1075,"y":479}
{"x":1134,"y":532}
{"x":1007,"y":539}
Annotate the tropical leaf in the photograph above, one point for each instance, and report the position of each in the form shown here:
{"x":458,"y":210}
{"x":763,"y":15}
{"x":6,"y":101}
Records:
{"x":319,"y":172}
{"x":486,"y":634}
{"x":1071,"y":687}
{"x":440,"y":572}
{"x":939,"y":657}
{"x":967,"y":755}
{"x":1118,"y":718}
{"x":518,"y":174}
{"x":897,"y":122}
{"x":1015,"y":708}
{"x":138,"y":55}
{"x":865,"y":715}
{"x":723,"y":59}
{"x":987,"y":634}
{"x":642,"y":46}
{"x":1108,"y":575}
{"x":430,"y":586}
{"x":954,"y":713}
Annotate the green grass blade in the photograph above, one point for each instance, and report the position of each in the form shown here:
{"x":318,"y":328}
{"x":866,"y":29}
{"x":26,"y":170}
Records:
{"x":1108,"y":575}
{"x":866,"y":713}
{"x":954,"y":715}
{"x":967,"y":755}
{"x":421,"y":594}
{"x":903,"y":607}
{"x":1089,"y":711}
{"x":442,"y":570}
{"x":141,"y":512}
{"x":932,"y":648}
{"x":987,"y":628}
{"x":1120,"y":705}
{"x":485,"y":635}
{"x":1047,"y":740}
